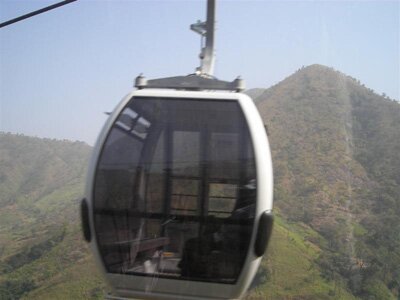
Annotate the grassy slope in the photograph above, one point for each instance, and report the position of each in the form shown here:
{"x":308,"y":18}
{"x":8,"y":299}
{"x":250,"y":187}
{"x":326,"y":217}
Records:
{"x":335,"y":151}
{"x":73,"y":277}
{"x":40,"y":187}
{"x":291,"y":271}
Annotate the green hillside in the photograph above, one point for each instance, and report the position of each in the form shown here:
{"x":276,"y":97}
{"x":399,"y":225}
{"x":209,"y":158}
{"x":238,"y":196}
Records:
{"x":336,"y":154}
{"x":335,"y":147}
{"x":41,"y":184}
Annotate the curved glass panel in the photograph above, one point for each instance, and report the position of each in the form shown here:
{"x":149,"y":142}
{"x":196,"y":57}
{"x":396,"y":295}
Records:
{"x":175,"y":192}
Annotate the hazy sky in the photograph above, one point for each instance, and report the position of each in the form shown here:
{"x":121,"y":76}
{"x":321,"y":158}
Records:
{"x":61,"y":70}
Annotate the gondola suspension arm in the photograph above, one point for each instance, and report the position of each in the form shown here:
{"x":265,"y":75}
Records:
{"x":206,"y":30}
{"x":203,"y":78}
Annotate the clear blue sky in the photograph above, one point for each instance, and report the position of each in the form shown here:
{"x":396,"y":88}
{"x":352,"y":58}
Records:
{"x":61,"y":70}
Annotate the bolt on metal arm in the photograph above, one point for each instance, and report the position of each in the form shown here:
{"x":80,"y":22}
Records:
{"x":206,"y":30}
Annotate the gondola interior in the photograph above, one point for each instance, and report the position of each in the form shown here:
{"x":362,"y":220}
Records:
{"x":175,"y":190}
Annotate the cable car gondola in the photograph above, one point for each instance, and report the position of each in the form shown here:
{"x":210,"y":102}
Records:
{"x":179,"y":192}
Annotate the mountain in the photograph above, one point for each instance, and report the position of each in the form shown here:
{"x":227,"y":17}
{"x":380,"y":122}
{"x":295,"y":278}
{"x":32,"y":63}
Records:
{"x":41,"y":184}
{"x":336,"y":153}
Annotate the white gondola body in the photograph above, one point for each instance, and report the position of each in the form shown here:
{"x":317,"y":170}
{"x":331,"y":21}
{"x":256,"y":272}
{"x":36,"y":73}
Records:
{"x":147,"y":282}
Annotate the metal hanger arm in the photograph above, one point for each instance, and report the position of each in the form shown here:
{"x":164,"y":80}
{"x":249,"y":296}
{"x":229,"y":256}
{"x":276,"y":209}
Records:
{"x":206,"y":30}
{"x":207,"y":62}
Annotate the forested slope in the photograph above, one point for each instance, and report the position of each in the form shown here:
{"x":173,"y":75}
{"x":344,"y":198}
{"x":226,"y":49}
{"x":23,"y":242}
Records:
{"x":41,"y":184}
{"x":335,"y":147}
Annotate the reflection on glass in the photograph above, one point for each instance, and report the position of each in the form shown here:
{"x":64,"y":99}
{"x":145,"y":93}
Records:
{"x":175,"y":190}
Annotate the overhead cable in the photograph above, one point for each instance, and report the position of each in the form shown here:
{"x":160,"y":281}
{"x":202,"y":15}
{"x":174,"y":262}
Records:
{"x":36,"y":12}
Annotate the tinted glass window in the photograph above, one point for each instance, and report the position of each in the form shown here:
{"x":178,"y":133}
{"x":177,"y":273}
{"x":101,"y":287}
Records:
{"x":174,"y":193}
